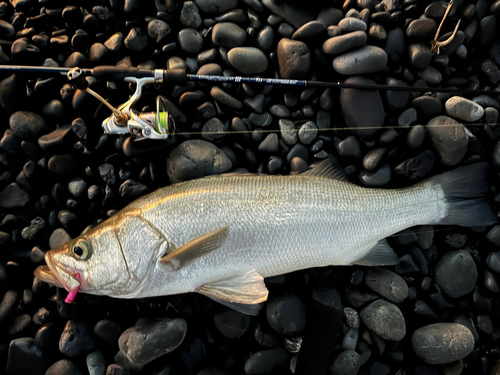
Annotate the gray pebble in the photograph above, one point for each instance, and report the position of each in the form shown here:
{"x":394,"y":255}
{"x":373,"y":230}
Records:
{"x":195,"y":159}
{"x":280,"y":110}
{"x":416,"y":136}
{"x":294,"y":59}
{"x":431,"y":75}
{"x":63,"y":367}
{"x":286,"y":314}
{"x":265,"y":38}
{"x":397,"y":99}
{"x":213,"y":130}
{"x":420,"y":55}
{"x":347,"y":362}
{"x":248,"y":60}
{"x":286,"y":30}
{"x":270,"y":143}
{"x":190,"y":17}
{"x":385,"y":319}
{"x":190,"y":40}
{"x":448,"y":138}
{"x":223,"y":97}
{"x":377,"y":31}
{"x":463,"y":109}
{"x":262,"y":120}
{"x":379,"y":177}
{"x":142,"y":344}
{"x":456,"y":273}
{"x":228,"y":35}
{"x":407,"y":117}
{"x":493,"y":235}
{"x":108,"y":331}
{"x":372,"y":158}
{"x":349,"y":147}
{"x":486,"y":101}
{"x":350,"y":339}
{"x":330,"y":16}
{"x":288,"y":131}
{"x":27,"y":125}
{"x":427,"y":105}
{"x":308,"y":132}
{"x":256,"y":103}
{"x":343,"y":43}
{"x":442,"y":343}
{"x":298,"y":165}
{"x":136,"y":40}
{"x":368,"y":121}
{"x":367,"y":59}
{"x":490,"y":282}
{"x":96,"y":364}
{"x":350,"y":24}
{"x":351,"y":317}
{"x":388,"y":284}
{"x":76,"y":337}
{"x":58,"y":238}
{"x":13,"y":196}
{"x":422,"y":27}
{"x":158,"y":30}
{"x":216,"y":6}
{"x":309,"y":30}
{"x":107,"y":173}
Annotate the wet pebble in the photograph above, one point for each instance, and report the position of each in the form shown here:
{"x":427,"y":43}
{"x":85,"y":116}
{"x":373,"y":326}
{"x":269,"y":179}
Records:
{"x":442,"y":343}
{"x":216,"y":6}
{"x":388,"y":284}
{"x":385,"y":319}
{"x":463,"y":109}
{"x":456,"y":273}
{"x":286,"y":314}
{"x":142,"y":344}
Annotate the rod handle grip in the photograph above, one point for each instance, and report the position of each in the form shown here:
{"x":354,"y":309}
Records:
{"x":177,"y":76}
{"x":113,"y":73}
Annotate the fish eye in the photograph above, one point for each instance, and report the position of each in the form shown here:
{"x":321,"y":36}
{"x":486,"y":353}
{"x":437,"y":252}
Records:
{"x":81,"y":249}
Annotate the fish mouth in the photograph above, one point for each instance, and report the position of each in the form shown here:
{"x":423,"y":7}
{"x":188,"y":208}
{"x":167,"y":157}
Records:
{"x":55,"y":274}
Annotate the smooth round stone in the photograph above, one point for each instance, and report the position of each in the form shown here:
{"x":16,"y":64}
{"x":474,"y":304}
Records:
{"x":265,"y":38}
{"x":195,"y":159}
{"x":416,"y":136}
{"x":23,"y":357}
{"x":223,"y":97}
{"x":342,"y":43}
{"x":280,"y":110}
{"x":347,"y":362}
{"x":248,"y":60}
{"x":388,"y":284}
{"x":228,"y":35}
{"x":108,"y":331}
{"x":385,"y":319}
{"x":308,"y":132}
{"x":448,"y":138}
{"x":76,"y":337}
{"x":421,"y":28}
{"x":430,"y":75}
{"x":372,"y":158}
{"x":349,"y":24}
{"x":7,"y":303}
{"x":309,"y":30}
{"x":454,"y":45}
{"x":232,"y":324}
{"x":395,"y":46}
{"x":286,"y":30}
{"x":158,"y":30}
{"x":456,"y":273}
{"x":286,"y":314}
{"x":294,"y":59}
{"x":58,"y":238}
{"x":367,"y":59}
{"x":272,"y":361}
{"x":136,"y":40}
{"x":13,"y":196}
{"x":370,"y":120}
{"x":486,"y":101}
{"x":63,"y":367}
{"x":350,"y":339}
{"x":420,"y":55}
{"x":261,"y":119}
{"x":442,"y":343}
{"x":378,"y":177}
{"x":396,"y":99}
{"x":190,"y":17}
{"x":493,"y":235}
{"x":489,"y":68}
{"x":27,"y":125}
{"x":216,"y":6}
{"x":349,"y":147}
{"x":56,"y":139}
{"x":24,"y":51}
{"x":330,"y":16}
{"x":143,"y":344}
{"x":190,"y":40}
{"x":97,"y":53}
{"x":463,"y":109}
{"x":288,"y":131}
{"x":96,"y":363}
{"x":212,"y":69}
{"x":407,"y":117}
{"x":427,"y":105}
{"x":270,"y":143}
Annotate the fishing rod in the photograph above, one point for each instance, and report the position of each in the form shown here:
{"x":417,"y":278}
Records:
{"x":160,"y":124}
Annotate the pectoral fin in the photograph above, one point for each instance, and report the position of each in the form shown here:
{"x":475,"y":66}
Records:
{"x":196,"y":248}
{"x":242,"y":293}
{"x":381,"y":254}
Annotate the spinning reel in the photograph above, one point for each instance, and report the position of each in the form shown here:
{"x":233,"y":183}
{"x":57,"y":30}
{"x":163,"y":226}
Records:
{"x":126,"y":120}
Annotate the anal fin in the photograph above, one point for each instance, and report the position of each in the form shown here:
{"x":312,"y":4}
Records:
{"x":242,"y":293}
{"x":381,"y":254}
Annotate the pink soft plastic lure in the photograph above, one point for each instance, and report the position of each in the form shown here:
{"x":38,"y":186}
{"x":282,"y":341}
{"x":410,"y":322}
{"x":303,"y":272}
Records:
{"x":72,"y":295}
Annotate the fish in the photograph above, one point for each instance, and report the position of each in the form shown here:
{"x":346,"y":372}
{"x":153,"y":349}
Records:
{"x":221,"y":236}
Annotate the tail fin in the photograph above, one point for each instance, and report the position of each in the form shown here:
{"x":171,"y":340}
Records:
{"x":463,"y":189}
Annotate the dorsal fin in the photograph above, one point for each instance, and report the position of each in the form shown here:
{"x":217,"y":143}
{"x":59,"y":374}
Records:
{"x":328,"y":168}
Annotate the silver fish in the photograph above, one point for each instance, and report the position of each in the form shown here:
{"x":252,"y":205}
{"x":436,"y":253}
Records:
{"x":222,"y":235}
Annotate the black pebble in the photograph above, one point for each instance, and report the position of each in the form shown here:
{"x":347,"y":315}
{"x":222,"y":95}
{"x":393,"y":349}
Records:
{"x":271,"y":361}
{"x":25,"y":358}
{"x":76,"y":337}
{"x":286,"y":314}
{"x":232,"y":324}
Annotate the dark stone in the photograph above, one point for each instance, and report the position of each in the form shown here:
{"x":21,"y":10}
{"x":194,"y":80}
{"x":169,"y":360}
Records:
{"x":232,"y":324}
{"x":108,"y":331}
{"x":213,"y":130}
{"x":63,"y":367}
{"x":372,"y":117}
{"x":98,"y":54}
{"x":190,"y":40}
{"x":420,"y":55}
{"x":228,"y":35}
{"x":416,"y":167}
{"x":58,"y":139}
{"x":456,"y":273}
{"x":7,"y":304}
{"x":25,"y":358}
{"x":421,"y":28}
{"x":196,"y":158}
{"x":25,"y":52}
{"x":448,"y":138}
{"x":27,"y":125}
{"x":309,"y":30}
{"x":62,"y":164}
{"x":377,"y":177}
{"x":294,"y":59}
{"x":442,"y":343}
{"x":385,"y":319}
{"x":343,"y":43}
{"x":158,"y":30}
{"x":387,"y":283}
{"x":136,"y":40}
{"x":13,"y":196}
{"x":248,"y":60}
{"x":76,"y":338}
{"x":286,"y":314}
{"x":365,"y":60}
{"x":140,"y":345}
{"x":216,"y":6}
{"x":427,"y":105}
{"x":395,"y":46}
{"x":346,"y":362}
{"x":224,"y":98}
{"x":272,"y":361}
